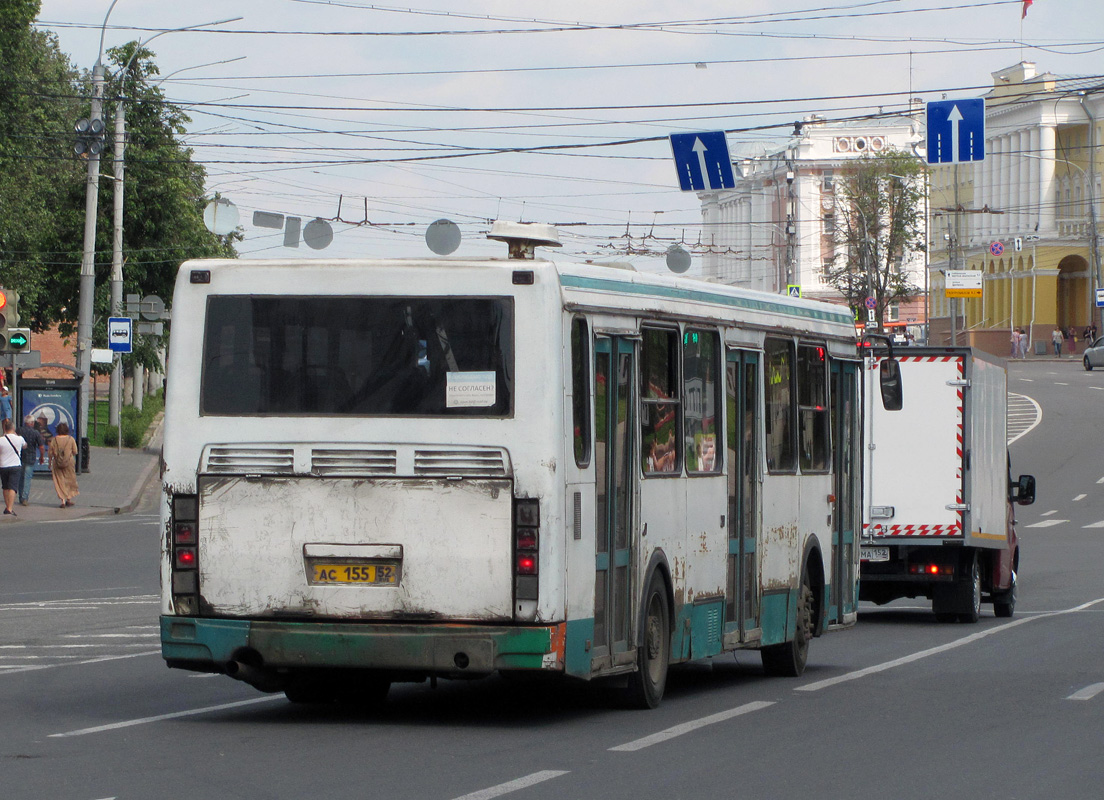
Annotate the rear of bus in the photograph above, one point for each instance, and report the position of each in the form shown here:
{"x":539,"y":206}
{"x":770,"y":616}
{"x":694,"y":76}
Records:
{"x":359,"y":479}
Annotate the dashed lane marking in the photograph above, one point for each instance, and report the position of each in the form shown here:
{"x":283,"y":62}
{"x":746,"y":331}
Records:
{"x":1080,"y":497}
{"x":931,"y":651}
{"x":1047,"y":523}
{"x":1088,"y":693}
{"x":114,"y":726}
{"x":687,"y":727}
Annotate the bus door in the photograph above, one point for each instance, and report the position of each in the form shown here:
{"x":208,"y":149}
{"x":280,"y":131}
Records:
{"x":846,"y":468}
{"x":742,"y":593}
{"x":615,"y":400}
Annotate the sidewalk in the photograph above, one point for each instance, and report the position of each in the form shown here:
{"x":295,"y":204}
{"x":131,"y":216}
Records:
{"x":112,"y":485}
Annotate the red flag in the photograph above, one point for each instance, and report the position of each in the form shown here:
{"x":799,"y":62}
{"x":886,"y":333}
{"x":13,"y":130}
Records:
{"x":1026,"y":5}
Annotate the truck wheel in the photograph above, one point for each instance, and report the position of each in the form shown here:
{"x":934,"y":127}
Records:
{"x":787,"y":660}
{"x":1004,"y":603}
{"x":653,"y":652}
{"x":970,"y":591}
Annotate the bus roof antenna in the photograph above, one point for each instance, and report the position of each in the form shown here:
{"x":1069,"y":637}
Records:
{"x":524,"y":237}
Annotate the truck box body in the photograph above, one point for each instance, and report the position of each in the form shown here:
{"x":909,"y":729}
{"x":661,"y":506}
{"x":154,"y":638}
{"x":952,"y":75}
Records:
{"x":936,"y":480}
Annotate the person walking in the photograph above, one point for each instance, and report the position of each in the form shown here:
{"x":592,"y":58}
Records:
{"x":5,"y":403}
{"x":1071,"y":336}
{"x":1015,"y":343}
{"x":11,"y":462}
{"x":1057,"y":337}
{"x":63,"y":465}
{"x":1023,"y":344}
{"x":35,"y":449}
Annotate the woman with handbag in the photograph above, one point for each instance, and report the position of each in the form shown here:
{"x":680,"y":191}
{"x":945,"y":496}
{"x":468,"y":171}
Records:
{"x":63,"y":465}
{"x":11,"y":453}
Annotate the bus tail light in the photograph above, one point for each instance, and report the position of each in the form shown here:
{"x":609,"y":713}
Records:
{"x":185,"y":553}
{"x":526,"y":548}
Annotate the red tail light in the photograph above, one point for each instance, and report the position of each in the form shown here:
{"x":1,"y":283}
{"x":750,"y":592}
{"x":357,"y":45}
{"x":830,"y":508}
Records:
{"x":526,"y":548}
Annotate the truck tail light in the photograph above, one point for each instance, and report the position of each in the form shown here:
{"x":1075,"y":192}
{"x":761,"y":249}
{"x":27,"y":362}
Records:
{"x":526,"y":548}
{"x":185,"y":554}
{"x":932,"y":570}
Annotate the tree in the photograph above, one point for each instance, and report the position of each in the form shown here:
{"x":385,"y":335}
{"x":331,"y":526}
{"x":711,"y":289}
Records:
{"x":40,"y":211}
{"x":879,"y":225}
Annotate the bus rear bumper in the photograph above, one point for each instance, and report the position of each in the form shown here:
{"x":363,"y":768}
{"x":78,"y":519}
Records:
{"x":211,"y":645}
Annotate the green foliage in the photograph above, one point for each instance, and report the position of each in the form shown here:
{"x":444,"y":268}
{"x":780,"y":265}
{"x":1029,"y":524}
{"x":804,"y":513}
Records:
{"x":879,"y":216}
{"x":42,"y":183}
{"x":135,"y":423}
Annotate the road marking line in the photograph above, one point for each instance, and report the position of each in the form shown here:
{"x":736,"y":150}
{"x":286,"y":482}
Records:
{"x":1035,"y":424}
{"x":1047,"y":523}
{"x":1088,"y":693}
{"x":931,"y":651}
{"x":114,"y":726}
{"x":111,"y":636}
{"x":1061,"y":384}
{"x":1080,"y":497}
{"x":68,"y":646}
{"x":35,"y":668}
{"x":1100,"y":480}
{"x":687,"y":727}
{"x":513,"y":786}
{"x":1028,"y":380}
{"x":1094,"y":525}
{"x":1048,"y":513}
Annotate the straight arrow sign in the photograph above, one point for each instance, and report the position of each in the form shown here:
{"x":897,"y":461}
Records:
{"x":956,"y":131}
{"x":702,"y":161}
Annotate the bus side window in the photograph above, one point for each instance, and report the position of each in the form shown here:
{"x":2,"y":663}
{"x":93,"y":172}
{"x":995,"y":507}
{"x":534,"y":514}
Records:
{"x":701,"y":400}
{"x":781,"y":450}
{"x":812,"y":407}
{"x":580,"y":391}
{"x":659,"y":402}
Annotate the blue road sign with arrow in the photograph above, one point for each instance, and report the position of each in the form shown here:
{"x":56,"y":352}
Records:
{"x":702,"y":161}
{"x":956,"y":131}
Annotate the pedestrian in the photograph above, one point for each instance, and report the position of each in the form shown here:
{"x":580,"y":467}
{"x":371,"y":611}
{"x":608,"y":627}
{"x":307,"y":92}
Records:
{"x":1023,"y":344}
{"x":1015,"y":343}
{"x":36,"y":448}
{"x":5,"y":403}
{"x":63,"y":465}
{"x":1092,"y":333}
{"x":1057,"y":337}
{"x":11,"y":462}
{"x":1072,"y":341}
{"x":1087,"y":336}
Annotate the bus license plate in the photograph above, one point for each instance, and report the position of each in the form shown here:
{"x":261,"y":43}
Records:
{"x":874,"y":554}
{"x":356,"y":574}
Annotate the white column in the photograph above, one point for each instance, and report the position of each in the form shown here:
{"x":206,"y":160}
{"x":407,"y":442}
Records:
{"x":1006,"y":185}
{"x":1048,"y":195}
{"x":996,"y":198}
{"x":1034,"y":163}
{"x":983,"y":189}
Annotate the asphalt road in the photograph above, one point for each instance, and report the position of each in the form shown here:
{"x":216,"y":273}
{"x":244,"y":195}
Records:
{"x":898,"y":707}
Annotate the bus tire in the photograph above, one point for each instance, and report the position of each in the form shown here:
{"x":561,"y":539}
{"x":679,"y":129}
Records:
{"x":653,"y":653}
{"x":787,"y":660}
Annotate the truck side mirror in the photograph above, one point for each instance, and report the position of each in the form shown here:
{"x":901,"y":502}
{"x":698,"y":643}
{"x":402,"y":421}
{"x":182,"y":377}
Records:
{"x":889,"y":377}
{"x":1023,"y":490}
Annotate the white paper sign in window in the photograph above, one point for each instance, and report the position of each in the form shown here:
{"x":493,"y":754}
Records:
{"x":469,"y":389}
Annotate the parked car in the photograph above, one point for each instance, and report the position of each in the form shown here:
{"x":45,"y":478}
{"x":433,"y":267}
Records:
{"x":1094,"y":355}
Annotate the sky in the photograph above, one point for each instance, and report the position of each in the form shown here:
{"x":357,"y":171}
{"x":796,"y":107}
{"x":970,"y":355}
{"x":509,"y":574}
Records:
{"x":382,"y":119}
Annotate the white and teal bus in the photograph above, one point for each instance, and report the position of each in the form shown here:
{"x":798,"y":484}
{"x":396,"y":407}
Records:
{"x":381,"y":471}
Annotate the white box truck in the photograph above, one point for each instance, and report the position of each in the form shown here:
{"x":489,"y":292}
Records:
{"x":938,"y":516}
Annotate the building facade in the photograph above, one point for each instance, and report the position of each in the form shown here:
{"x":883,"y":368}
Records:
{"x":1026,"y":217}
{"x":776,"y":227}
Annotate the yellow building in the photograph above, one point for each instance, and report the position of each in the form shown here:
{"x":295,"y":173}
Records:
{"x":1026,"y":217}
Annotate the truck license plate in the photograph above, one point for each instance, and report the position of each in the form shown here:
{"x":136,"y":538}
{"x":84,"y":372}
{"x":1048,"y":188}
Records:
{"x":874,"y":553}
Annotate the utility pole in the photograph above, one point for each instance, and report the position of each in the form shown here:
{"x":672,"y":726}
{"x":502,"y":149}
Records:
{"x":1094,"y":243}
{"x":114,"y":400}
{"x":88,"y":265}
{"x":954,"y":256}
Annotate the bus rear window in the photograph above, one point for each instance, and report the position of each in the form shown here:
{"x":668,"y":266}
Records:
{"x":358,"y":356}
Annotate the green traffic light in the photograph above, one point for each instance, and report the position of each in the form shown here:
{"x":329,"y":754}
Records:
{"x":18,"y":340}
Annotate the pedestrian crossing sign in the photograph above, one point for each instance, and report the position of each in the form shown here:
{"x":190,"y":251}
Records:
{"x":793,"y":290}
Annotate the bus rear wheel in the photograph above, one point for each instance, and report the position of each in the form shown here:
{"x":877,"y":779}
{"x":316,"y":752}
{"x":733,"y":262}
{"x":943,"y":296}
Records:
{"x":653,"y":652}
{"x":787,"y":660}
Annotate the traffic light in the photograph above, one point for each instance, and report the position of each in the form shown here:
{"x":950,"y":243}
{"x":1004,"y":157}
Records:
{"x":13,"y":339}
{"x":90,"y":137}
